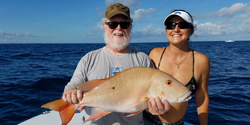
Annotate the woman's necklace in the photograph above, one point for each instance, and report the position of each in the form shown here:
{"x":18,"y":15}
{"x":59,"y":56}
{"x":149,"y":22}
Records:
{"x":178,"y":65}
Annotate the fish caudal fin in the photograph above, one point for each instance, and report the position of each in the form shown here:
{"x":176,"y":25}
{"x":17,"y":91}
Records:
{"x":97,"y":113}
{"x":66,"y":110}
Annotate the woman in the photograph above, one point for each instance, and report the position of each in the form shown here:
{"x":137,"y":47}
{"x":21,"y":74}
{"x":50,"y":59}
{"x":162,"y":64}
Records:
{"x":188,"y":66}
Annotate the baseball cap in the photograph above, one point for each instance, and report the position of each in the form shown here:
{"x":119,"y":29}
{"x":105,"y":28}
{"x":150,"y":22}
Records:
{"x":115,"y":9}
{"x":184,"y":15}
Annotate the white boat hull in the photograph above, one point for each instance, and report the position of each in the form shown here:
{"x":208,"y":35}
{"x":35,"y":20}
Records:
{"x":229,"y":41}
{"x":53,"y":118}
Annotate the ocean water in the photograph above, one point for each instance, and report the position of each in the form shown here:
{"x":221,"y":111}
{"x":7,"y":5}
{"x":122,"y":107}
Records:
{"x":34,"y":74}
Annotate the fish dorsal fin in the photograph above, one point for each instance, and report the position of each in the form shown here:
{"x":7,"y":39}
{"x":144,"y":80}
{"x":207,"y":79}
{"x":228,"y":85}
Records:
{"x":97,"y":113}
{"x":89,"y":85}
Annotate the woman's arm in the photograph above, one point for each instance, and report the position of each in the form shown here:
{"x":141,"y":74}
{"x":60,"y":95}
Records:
{"x":201,"y":95}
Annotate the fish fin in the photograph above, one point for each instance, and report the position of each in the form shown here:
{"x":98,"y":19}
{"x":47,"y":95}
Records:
{"x":86,"y":86}
{"x":97,"y":113}
{"x":134,"y":113}
{"x":66,"y":110}
{"x":55,"y":105}
{"x":145,"y":99}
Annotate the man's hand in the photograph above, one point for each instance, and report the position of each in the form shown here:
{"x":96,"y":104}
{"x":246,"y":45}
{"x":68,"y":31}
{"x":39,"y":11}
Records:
{"x":72,"y":96}
{"x":157,"y":107}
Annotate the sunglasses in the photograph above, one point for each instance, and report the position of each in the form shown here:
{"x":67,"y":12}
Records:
{"x":181,"y":25}
{"x":113,"y":25}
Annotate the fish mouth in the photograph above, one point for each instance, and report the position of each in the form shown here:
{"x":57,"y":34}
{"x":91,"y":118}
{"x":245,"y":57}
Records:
{"x":187,"y":96}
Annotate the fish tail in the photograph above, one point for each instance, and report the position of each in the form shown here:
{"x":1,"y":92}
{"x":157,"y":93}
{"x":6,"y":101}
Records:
{"x":66,"y":110}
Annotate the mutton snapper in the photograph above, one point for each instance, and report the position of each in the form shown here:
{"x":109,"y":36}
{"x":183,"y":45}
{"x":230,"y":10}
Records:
{"x":125,"y":92}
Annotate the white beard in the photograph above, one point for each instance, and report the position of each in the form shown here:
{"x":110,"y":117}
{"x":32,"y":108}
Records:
{"x":117,"y":43}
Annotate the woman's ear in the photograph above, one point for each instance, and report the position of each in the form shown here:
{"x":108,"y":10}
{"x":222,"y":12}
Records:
{"x":191,"y":31}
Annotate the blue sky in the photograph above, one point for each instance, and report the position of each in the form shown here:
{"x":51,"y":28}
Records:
{"x":79,"y":21}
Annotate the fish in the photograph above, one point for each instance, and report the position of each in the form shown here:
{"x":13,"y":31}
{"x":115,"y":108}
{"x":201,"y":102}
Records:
{"x":126,"y":92}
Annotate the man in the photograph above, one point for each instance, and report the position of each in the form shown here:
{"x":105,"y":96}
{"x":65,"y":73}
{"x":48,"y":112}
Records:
{"x":107,"y":61}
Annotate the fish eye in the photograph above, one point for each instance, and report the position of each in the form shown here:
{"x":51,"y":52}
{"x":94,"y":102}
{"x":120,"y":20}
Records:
{"x":169,"y":82}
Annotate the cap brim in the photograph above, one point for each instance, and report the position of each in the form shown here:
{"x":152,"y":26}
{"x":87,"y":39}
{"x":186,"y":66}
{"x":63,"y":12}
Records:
{"x":167,"y":19}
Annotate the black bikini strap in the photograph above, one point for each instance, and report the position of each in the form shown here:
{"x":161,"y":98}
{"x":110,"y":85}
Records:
{"x":161,"y":58}
{"x":193,"y":61}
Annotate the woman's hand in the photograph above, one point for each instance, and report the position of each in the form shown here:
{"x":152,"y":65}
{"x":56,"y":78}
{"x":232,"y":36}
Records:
{"x":157,"y":107}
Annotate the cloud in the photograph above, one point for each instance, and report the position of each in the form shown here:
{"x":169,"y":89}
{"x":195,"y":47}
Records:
{"x":141,"y":14}
{"x":233,"y":21}
{"x":213,"y":29}
{"x":96,"y":29}
{"x":15,"y":35}
{"x":245,"y":25}
{"x":148,"y":31}
{"x":231,"y":11}
{"x":224,"y":12}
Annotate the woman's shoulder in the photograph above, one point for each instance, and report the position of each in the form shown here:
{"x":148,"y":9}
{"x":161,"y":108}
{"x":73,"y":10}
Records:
{"x":202,"y":61}
{"x":156,"y":51}
{"x":202,"y":58}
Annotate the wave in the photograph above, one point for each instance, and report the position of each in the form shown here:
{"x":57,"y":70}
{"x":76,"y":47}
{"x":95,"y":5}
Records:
{"x":31,"y":94}
{"x":4,"y":60}
{"x":52,"y":83}
{"x":22,"y":55}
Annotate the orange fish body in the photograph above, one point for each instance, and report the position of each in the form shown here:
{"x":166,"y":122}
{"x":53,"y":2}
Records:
{"x":125,"y":92}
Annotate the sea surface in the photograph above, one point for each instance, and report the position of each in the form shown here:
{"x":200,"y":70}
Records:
{"x":34,"y":74}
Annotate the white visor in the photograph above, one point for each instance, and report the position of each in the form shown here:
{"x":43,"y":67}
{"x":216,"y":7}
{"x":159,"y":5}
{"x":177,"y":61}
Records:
{"x":184,"y":15}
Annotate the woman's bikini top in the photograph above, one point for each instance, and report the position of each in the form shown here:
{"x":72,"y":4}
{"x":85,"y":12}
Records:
{"x":192,"y":84}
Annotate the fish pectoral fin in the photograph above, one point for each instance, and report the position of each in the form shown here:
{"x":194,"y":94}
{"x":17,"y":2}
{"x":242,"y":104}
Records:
{"x":97,"y":113}
{"x":134,"y":113}
{"x":145,"y":99}
{"x":66,"y":110}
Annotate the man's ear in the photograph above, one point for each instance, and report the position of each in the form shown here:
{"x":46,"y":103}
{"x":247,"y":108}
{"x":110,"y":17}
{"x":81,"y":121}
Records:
{"x":103,"y":26}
